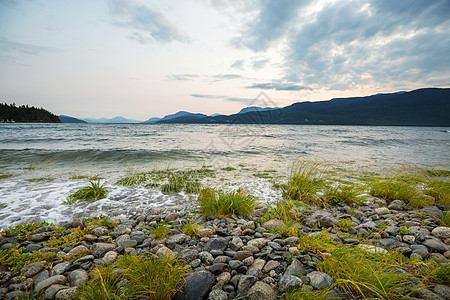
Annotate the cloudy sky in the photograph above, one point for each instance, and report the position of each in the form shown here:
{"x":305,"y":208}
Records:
{"x":145,"y":58}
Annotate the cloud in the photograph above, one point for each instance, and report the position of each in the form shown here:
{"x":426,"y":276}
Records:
{"x":278,"y":86}
{"x":227,"y":98}
{"x":147,"y":24}
{"x":239,"y":64}
{"x":175,"y":77}
{"x":260,"y":63}
{"x":269,"y":25}
{"x":12,"y":52}
{"x":222,"y":77}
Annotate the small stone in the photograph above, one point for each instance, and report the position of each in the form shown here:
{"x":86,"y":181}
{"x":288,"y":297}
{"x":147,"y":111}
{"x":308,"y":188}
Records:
{"x":271,"y":265}
{"x":206,"y":258}
{"x":90,"y":237}
{"x":77,"y":252}
{"x":328,"y":221}
{"x":165,"y":252}
{"x":109,"y":257}
{"x":218,"y":268}
{"x":52,"y":290}
{"x":260,"y":242}
{"x":397,"y":205}
{"x":235,"y":264}
{"x":217,"y":295}
{"x":205,"y":232}
{"x":294,"y":251}
{"x":262,"y":291}
{"x":99,"y":231}
{"x":77,"y":277}
{"x":441,"y":232}
{"x":351,"y":241}
{"x":78,"y":223}
{"x":99,"y":249}
{"x":196,"y":287}
{"x":218,"y":244}
{"x":410,"y":239}
{"x":291,"y":240}
{"x":32,"y":247}
{"x":288,"y":282}
{"x":32,"y":269}
{"x":176,"y":239}
{"x":225,"y":277}
{"x":426,"y":294}
{"x":296,"y":268}
{"x":392,"y":230}
{"x":58,"y":279}
{"x":171,"y":216}
{"x":60,"y":268}
{"x":246,"y":282}
{"x":274,"y":224}
{"x":240,"y":255}
{"x":320,"y":280}
{"x":435,"y":245}
{"x":382,"y":211}
{"x":236,"y":243}
{"x":128,"y":244}
{"x":372,"y":249}
{"x":65,"y":294}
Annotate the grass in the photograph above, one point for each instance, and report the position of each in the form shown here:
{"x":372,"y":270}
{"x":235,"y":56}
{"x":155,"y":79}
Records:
{"x":3,"y":175}
{"x":444,"y":218}
{"x":228,"y":169}
{"x":373,"y":278}
{"x":219,"y":203}
{"x":304,"y":182}
{"x":159,"y":230}
{"x":24,"y":229}
{"x":95,"y":191}
{"x":133,"y":277}
{"x":190,"y":228}
{"x":344,"y":224}
{"x":402,"y":230}
{"x":73,"y":237}
{"x":178,"y":181}
{"x":132,"y":180}
{"x":439,"y":189}
{"x":343,"y":193}
{"x":300,"y":294}
{"x":315,"y":242}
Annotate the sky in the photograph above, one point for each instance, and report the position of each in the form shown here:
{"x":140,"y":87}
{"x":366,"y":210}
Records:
{"x":147,"y":58}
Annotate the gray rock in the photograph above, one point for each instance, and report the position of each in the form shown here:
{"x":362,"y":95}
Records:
{"x":382,"y":211}
{"x":274,"y":224}
{"x":100,"y":249}
{"x":443,"y":291}
{"x":217,"y":295}
{"x":219,"y":268}
{"x":32,"y":269}
{"x":165,"y":252}
{"x":52,"y":290}
{"x":234,"y":264}
{"x":435,"y":245}
{"x":426,"y":294}
{"x":392,"y":230}
{"x":262,"y":291}
{"x":57,"y":279}
{"x":275,"y":246}
{"x":397,"y":205}
{"x":236,"y":243}
{"x":77,"y":252}
{"x":295,"y":268}
{"x":291,"y":240}
{"x":32,"y":247}
{"x":41,"y":277}
{"x":245,"y":283}
{"x":60,"y":268}
{"x":100,"y":231}
{"x":217,"y":244}
{"x":77,"y":277}
{"x":206,"y":258}
{"x":441,"y":232}
{"x":420,"y":250}
{"x":176,"y":239}
{"x":270,"y":265}
{"x":259,"y":242}
{"x":109,"y":257}
{"x":121,"y":229}
{"x":188,"y":255}
{"x":196,"y":287}
{"x":320,"y":280}
{"x":289,"y":282}
{"x":129,"y":244}
{"x":65,"y":294}
{"x":433,"y":211}
{"x":328,"y":221}
{"x":351,"y":241}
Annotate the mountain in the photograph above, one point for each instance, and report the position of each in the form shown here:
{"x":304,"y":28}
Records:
{"x":181,"y":117}
{"x":152,"y":120}
{"x":25,"y":113}
{"x":67,"y":119}
{"x":254,"y":108}
{"x":115,"y":120}
{"x":423,"y":107}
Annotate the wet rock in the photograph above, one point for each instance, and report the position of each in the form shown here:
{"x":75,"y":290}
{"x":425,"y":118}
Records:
{"x":32,"y":269}
{"x":121,"y":229}
{"x":289,"y":282}
{"x":319,"y":280}
{"x":262,"y":291}
{"x":196,"y":287}
{"x":100,"y":249}
{"x":217,"y":244}
{"x":100,"y":231}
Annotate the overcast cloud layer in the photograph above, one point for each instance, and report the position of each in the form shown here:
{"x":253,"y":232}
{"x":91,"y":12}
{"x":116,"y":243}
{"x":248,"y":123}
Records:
{"x":143,"y":58}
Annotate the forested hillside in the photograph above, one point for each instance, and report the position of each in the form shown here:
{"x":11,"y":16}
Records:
{"x":25,"y":113}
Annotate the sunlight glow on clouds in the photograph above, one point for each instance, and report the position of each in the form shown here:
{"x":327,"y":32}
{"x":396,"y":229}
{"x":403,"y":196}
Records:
{"x":144,"y":58}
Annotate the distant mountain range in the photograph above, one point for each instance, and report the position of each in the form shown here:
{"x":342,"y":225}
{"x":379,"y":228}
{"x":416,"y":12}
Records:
{"x":423,"y":107}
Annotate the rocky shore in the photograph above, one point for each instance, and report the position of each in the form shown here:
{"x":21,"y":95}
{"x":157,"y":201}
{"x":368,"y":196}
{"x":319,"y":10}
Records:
{"x":233,"y":257}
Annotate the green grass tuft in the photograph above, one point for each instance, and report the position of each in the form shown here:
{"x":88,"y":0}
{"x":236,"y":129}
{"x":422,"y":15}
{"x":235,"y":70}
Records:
{"x":159,"y":230}
{"x":190,"y":228}
{"x":93,"y":192}
{"x":40,"y":179}
{"x":444,"y":218}
{"x":218,"y":203}
{"x":228,"y":169}
{"x":343,"y":193}
{"x":304,"y":182}
{"x":439,"y":189}
{"x":3,"y":176}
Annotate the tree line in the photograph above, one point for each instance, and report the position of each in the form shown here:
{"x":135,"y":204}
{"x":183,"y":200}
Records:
{"x":25,"y":113}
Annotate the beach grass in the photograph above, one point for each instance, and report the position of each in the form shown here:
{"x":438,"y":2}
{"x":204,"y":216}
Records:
{"x":4,"y":175}
{"x":190,"y":228}
{"x":159,"y":230}
{"x":348,"y":194}
{"x":41,"y":179}
{"x":220,"y":203}
{"x":95,"y":191}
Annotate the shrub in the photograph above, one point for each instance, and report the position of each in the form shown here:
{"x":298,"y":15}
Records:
{"x":218,"y":203}
{"x":93,"y":192}
{"x":303,"y":183}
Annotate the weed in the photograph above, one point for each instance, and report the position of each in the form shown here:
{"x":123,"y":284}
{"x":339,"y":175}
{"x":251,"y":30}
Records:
{"x":303,"y":294}
{"x":436,"y":272}
{"x":303,"y":183}
{"x":181,"y":181}
{"x":105,"y":221}
{"x":218,"y":203}
{"x":373,"y":278}
{"x":439,"y":190}
{"x":344,"y":224}
{"x":24,"y":229}
{"x":40,"y":179}
{"x":444,"y":218}
{"x":79,"y":177}
{"x":395,"y":189}
{"x":17,"y":258}
{"x":402,"y":230}
{"x":190,"y":228}
{"x":69,"y":240}
{"x":262,"y":175}
{"x":436,"y":173}
{"x":93,"y":192}
{"x":159,"y":230}
{"x":3,"y":205}
{"x":382,"y":226}
{"x":288,"y":229}
{"x":137,"y":179}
